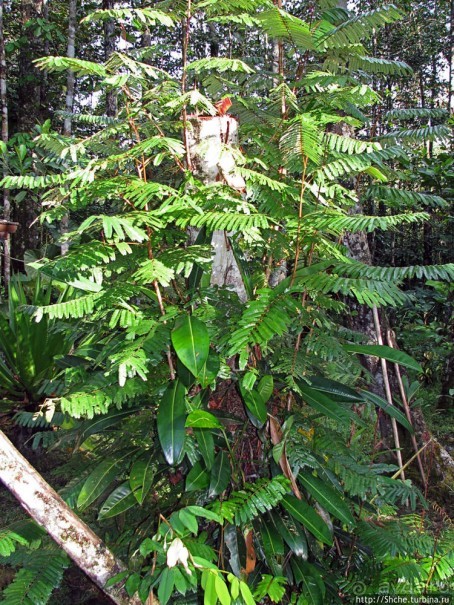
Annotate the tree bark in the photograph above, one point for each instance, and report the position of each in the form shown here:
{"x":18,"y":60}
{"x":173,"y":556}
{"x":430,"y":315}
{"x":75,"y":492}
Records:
{"x":211,"y":159}
{"x":6,"y":264}
{"x":109,"y":48}
{"x":46,"y":507}
{"x":70,"y":83}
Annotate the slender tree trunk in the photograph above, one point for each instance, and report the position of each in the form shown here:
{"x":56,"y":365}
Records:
{"x":46,"y":507}
{"x":109,"y":48}
{"x":6,"y":264}
{"x":450,"y":57}
{"x":70,"y":82}
{"x":208,"y":141}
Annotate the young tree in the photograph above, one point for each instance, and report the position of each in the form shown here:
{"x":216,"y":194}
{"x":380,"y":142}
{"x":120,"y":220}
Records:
{"x":226,"y":431}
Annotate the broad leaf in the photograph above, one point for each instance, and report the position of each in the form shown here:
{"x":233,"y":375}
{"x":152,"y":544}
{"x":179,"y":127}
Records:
{"x":205,"y":441}
{"x":313,"y":587}
{"x":120,"y":500}
{"x":246,"y":594}
{"x":306,"y":515}
{"x":273,"y":543}
{"x":210,"y":370}
{"x":256,"y":406}
{"x":191,"y":343}
{"x":265,"y":387}
{"x":335,"y":389}
{"x":99,"y":480}
{"x":171,"y":421}
{"x":197,"y":479}
{"x":220,"y":474}
{"x":166,"y":585}
{"x":327,"y":497}
{"x":322,"y":403}
{"x":222,"y":591}
{"x":387,"y":353}
{"x":292,"y":533}
{"x":141,"y":477}
{"x":391,"y":410}
{"x":201,"y":419}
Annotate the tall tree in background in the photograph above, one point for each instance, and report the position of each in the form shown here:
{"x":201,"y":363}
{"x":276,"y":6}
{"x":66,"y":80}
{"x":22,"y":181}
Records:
{"x":5,"y":262}
{"x":249,"y":471}
{"x":70,"y":87}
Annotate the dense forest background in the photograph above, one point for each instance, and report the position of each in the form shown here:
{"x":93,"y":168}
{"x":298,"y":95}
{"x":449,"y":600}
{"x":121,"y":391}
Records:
{"x":226,"y":312}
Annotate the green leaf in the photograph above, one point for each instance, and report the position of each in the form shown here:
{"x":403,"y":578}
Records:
{"x":387,"y":353}
{"x":191,"y":343}
{"x":322,"y":403}
{"x":188,"y":520}
{"x":335,"y":389}
{"x":166,"y":585}
{"x":292,"y":533}
{"x":210,"y":370}
{"x":141,"y":477}
{"x":391,"y":410}
{"x":205,"y":441}
{"x":265,"y":388}
{"x":197,"y":478}
{"x":220,"y":474}
{"x":273,"y":542}
{"x":303,"y":573}
{"x":120,"y":500}
{"x":222,"y":591}
{"x":199,"y":511}
{"x":306,"y":515}
{"x":256,"y":406}
{"x":246,"y":593}
{"x":171,"y":421}
{"x":132,"y":584}
{"x":186,"y":377}
{"x":103,"y":475}
{"x":327,"y":497}
{"x":210,"y":596}
{"x":201,"y":419}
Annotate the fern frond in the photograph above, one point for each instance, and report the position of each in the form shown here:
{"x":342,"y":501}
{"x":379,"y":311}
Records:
{"x":255,"y":499}
{"x":337,"y":223}
{"x":396,"y":274}
{"x":20,"y":533}
{"x":277,"y":23}
{"x":369,"y":65}
{"x":182,"y":260}
{"x":79,"y":66}
{"x":344,"y":144}
{"x":438,"y":132}
{"x":396,"y":197}
{"x":371,"y":293}
{"x":359,"y":28}
{"x":145,"y":16}
{"x":225,"y":221}
{"x":269,"y":315}
{"x":220,"y":65}
{"x":42,"y":572}
{"x":359,"y":163}
{"x":415,"y":113}
{"x":301,"y":140}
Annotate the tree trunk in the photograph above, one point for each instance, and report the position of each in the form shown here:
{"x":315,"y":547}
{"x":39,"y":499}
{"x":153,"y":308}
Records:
{"x":6,"y":264}
{"x":208,"y":142}
{"x":46,"y":507}
{"x":70,"y":82}
{"x":109,"y":48}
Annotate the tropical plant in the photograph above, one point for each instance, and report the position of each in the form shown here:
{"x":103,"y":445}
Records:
{"x":228,"y":436}
{"x":29,"y":350}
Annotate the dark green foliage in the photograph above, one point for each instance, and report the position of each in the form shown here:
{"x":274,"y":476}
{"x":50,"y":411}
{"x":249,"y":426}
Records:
{"x":224,"y":446}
